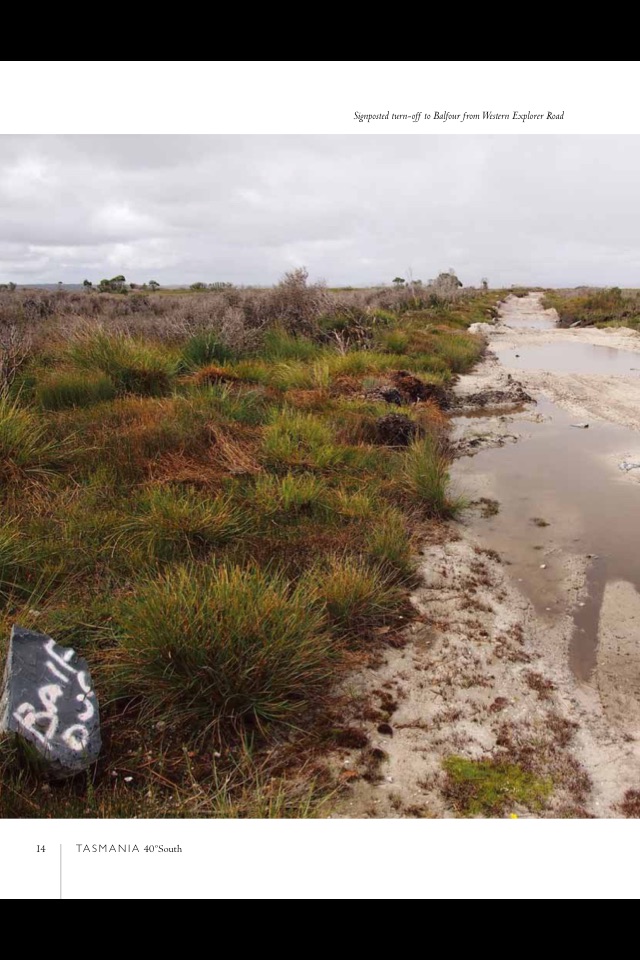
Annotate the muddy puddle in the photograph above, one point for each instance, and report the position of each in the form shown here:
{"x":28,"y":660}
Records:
{"x":483,"y":413}
{"x":559,"y":493}
{"x":526,"y":320}
{"x":571,"y":357}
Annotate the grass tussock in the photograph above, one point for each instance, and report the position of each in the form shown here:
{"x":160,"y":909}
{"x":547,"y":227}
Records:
{"x":425,"y":477}
{"x":300,"y":439}
{"x":25,"y":443}
{"x":291,"y":496}
{"x":204,"y":349}
{"x":389,"y":545}
{"x":134,"y":365}
{"x":18,"y":561}
{"x":173,"y":524}
{"x":458,"y":351}
{"x":356,"y":596}
{"x":247,"y":406}
{"x":279,"y":344}
{"x":204,"y":646}
{"x":72,"y":388}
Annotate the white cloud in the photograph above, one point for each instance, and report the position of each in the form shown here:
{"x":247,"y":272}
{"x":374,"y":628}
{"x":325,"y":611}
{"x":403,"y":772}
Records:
{"x":553,"y":210}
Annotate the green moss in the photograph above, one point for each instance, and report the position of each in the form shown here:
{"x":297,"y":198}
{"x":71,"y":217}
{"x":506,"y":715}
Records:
{"x":488,"y":788}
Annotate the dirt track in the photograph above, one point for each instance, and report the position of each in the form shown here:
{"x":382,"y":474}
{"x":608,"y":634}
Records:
{"x":486,"y":672}
{"x":612,"y":398}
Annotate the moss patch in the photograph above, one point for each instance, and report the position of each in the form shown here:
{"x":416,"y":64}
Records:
{"x":486,"y":788}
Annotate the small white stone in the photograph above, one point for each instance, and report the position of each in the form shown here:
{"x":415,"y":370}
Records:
{"x":128,"y":779}
{"x":543,"y":566}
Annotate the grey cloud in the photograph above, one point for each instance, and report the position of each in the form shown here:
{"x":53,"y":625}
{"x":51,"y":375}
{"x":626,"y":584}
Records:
{"x":552,"y":210}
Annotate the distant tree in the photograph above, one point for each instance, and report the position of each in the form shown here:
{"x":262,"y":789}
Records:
{"x":447,"y":282}
{"x":198,"y":286}
{"x":114,"y":285}
{"x":399,"y":281}
{"x":485,"y":283}
{"x":220,"y":285}
{"x":11,"y":285}
{"x":154,"y":285}
{"x":87,"y":285}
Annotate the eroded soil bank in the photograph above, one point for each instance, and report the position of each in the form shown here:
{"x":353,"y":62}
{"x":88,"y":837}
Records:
{"x":526,"y":656}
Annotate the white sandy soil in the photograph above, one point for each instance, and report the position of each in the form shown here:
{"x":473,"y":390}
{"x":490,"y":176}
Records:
{"x":482,"y":675}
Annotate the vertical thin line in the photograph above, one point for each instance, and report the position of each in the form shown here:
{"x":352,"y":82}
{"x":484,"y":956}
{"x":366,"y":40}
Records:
{"x":61,"y":871}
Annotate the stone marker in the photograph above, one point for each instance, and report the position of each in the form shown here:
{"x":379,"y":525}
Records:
{"x":48,"y":699}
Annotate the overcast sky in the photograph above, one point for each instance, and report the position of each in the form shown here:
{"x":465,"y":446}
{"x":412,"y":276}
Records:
{"x":548,"y":210}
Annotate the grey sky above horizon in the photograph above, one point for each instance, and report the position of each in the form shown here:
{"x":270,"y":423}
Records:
{"x":544,"y":210}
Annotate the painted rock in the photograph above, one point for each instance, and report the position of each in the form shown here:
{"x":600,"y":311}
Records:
{"x":48,"y":699}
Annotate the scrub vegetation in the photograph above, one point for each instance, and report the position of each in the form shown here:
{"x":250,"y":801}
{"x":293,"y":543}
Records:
{"x":596,"y":307}
{"x":203,"y":493}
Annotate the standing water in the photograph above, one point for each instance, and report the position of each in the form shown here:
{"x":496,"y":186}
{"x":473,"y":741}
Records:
{"x":559,"y":489}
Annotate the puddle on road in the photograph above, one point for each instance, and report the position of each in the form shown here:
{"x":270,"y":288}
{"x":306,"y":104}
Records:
{"x":571,"y":357}
{"x":481,"y":413}
{"x":530,"y":321}
{"x":568,"y":479}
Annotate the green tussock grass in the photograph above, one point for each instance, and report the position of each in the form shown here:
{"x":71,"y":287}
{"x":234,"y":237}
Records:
{"x":70,"y":388}
{"x":360,"y":363}
{"x":225,"y":401}
{"x":359,"y":504}
{"x":278,"y":344}
{"x":425,"y":478}
{"x":394,"y":341}
{"x":489,"y":788}
{"x":203,"y":646}
{"x":173,"y":524}
{"x":300,"y":439}
{"x":292,"y":375}
{"x":458,"y":351}
{"x":202,"y":349}
{"x":134,"y":365}
{"x":250,"y":371}
{"x":25,"y":445}
{"x":355,"y":595}
{"x":389,"y":544}
{"x":291,"y":496}
{"x":19,"y":561}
